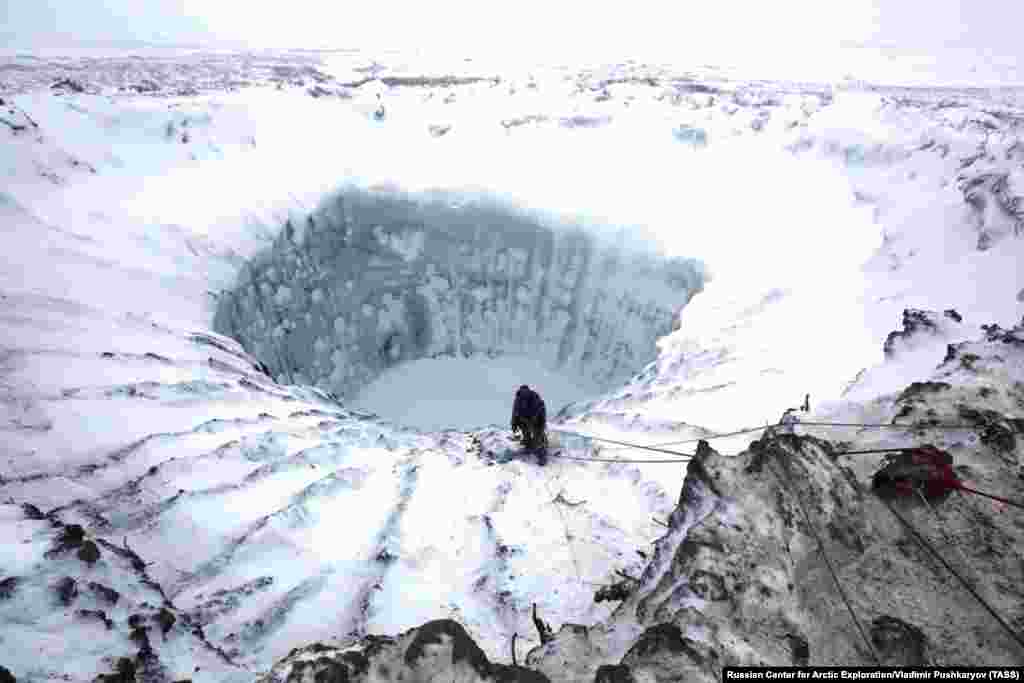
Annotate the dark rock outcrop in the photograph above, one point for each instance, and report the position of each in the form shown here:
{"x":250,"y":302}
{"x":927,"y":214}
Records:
{"x":32,"y":512}
{"x":899,"y":643}
{"x":67,"y":590}
{"x":995,"y":333}
{"x":70,"y":538}
{"x":97,"y":614}
{"x":663,"y":653}
{"x":997,"y":431}
{"x":614,"y":673}
{"x":166,"y":619}
{"x":8,"y":586}
{"x":801,"y":650}
{"x":124,"y":672}
{"x":997,"y":211}
{"x":69,"y":85}
{"x":463,"y":648}
{"x":437,"y":650}
{"x":917,"y":324}
{"x":108,"y":595}
{"x":89,"y":553}
{"x":916,"y":389}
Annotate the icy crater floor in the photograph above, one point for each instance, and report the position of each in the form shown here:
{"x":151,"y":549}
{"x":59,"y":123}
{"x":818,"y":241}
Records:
{"x":435,"y":394}
{"x":269,"y":515}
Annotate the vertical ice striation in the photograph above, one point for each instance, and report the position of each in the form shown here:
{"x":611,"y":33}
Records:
{"x":371,"y":280}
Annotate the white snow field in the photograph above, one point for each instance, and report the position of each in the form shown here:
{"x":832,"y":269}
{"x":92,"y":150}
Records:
{"x":266,"y":514}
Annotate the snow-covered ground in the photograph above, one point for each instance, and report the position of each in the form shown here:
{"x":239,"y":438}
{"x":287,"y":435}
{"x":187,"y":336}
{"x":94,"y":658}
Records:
{"x":270,"y":515}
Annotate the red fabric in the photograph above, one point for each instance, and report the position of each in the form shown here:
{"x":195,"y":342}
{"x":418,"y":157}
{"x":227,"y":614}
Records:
{"x":940,"y":479}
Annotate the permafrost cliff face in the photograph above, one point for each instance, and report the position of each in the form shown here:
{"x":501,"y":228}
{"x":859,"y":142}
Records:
{"x":372,"y":280}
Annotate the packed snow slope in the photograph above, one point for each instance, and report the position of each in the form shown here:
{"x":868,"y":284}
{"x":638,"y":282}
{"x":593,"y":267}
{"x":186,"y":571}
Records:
{"x":179,"y":513}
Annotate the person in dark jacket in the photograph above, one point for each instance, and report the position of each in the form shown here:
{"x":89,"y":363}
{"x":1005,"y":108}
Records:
{"x":529,"y":416}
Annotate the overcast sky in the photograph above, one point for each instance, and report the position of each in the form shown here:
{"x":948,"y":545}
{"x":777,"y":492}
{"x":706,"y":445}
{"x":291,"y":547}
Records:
{"x":522,"y":25}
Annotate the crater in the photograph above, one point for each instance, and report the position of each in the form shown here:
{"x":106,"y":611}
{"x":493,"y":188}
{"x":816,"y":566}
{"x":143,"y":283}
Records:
{"x":431,"y":309}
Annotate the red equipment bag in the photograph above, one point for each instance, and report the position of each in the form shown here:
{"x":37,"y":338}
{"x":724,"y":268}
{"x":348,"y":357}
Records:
{"x":926,"y":469}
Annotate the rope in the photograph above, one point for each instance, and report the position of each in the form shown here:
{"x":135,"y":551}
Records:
{"x":890,"y":426}
{"x":942,"y":528}
{"x":685,"y":457}
{"x":570,"y":457}
{"x":989,"y":495}
{"x":928,"y":546}
{"x":622,"y":443}
{"x":710,"y":437}
{"x":878,"y":450}
{"x":750,"y":430}
{"x":828,"y":562}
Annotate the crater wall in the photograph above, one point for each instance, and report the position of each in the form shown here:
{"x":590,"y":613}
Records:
{"x":371,"y":280}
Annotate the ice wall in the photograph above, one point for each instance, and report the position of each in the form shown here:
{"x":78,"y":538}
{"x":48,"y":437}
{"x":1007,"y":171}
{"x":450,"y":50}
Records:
{"x":372,"y":279}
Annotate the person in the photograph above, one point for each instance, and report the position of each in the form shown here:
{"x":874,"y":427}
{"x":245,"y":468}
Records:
{"x":529,"y":417}
{"x":806,"y":407}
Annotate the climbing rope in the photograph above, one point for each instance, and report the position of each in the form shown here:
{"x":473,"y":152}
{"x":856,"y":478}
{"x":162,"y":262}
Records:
{"x":989,"y":495}
{"x":942,"y":529}
{"x":889,"y":426}
{"x":824,"y":554}
{"x":658,"y":446}
{"x":686,"y":457}
{"x":648,"y":462}
{"x":711,"y":436}
{"x":623,"y":443}
{"x":970,"y":589}
{"x":900,"y":449}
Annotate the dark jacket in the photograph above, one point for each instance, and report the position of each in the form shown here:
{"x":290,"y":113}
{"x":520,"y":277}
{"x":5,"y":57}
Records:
{"x":528,"y":404}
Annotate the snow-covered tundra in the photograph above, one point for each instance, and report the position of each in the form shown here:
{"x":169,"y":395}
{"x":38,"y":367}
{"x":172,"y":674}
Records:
{"x":216,"y":266}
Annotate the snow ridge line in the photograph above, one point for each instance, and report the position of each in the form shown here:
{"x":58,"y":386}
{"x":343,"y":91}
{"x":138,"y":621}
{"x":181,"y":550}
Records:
{"x":114,"y":497}
{"x":140,"y":518}
{"x":273,"y":617}
{"x":501,"y":552}
{"x":298,"y":460}
{"x":122,"y":454}
{"x":362,"y":604}
{"x":139,"y":566}
{"x":213,"y":566}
